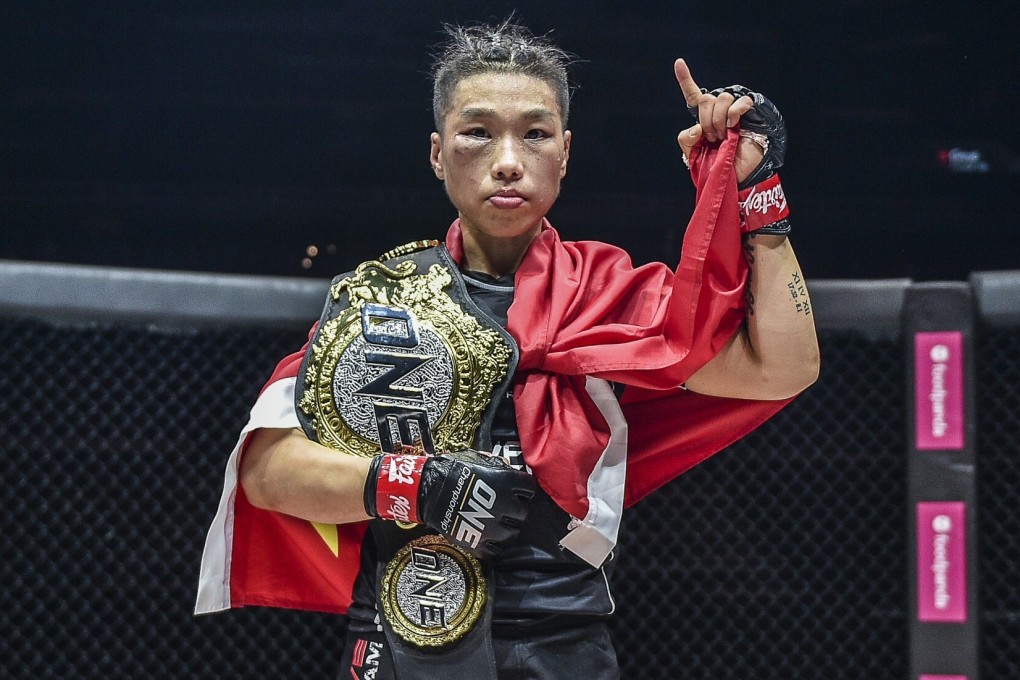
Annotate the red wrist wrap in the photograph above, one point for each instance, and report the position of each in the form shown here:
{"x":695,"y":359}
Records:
{"x":762,"y":205}
{"x":396,"y":493}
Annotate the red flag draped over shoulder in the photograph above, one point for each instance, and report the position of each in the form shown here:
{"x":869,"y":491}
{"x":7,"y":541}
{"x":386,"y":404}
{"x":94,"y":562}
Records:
{"x":581,"y":309}
{"x":259,"y":557}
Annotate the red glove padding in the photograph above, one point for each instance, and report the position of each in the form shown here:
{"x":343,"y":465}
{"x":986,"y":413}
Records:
{"x":763,"y":208}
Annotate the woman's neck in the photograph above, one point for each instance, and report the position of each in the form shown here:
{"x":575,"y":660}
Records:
{"x":495,"y":256}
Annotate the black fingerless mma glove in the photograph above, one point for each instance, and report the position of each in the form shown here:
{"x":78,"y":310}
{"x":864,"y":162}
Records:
{"x":477,"y":502}
{"x":762,"y":202}
{"x":763,"y":119}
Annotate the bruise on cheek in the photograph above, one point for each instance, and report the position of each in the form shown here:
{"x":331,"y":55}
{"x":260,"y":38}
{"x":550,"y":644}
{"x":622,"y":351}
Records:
{"x":467,"y":147}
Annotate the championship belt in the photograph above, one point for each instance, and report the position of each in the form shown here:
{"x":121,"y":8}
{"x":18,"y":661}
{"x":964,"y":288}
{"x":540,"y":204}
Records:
{"x":403,"y":361}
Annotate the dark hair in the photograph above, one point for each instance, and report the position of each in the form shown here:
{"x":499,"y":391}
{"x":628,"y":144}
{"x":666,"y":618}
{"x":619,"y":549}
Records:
{"x":502,"y":48}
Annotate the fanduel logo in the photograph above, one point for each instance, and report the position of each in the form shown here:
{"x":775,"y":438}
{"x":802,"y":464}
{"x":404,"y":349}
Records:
{"x":939,"y":356}
{"x":942,"y":525}
{"x":938,"y":393}
{"x":941,"y":561}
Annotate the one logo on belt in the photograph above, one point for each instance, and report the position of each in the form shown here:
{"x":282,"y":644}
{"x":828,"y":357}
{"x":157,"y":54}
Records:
{"x":431,"y":592}
{"x":402,"y":367}
{"x":386,"y":392}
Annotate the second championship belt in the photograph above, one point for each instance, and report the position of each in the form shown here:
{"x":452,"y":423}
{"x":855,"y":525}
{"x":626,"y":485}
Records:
{"x":403,"y":361}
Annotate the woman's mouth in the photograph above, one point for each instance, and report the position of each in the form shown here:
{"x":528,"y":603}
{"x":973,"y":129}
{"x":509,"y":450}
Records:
{"x":506,"y":200}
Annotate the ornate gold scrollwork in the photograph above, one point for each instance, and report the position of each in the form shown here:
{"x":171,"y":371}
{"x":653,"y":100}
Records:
{"x":453,"y":341}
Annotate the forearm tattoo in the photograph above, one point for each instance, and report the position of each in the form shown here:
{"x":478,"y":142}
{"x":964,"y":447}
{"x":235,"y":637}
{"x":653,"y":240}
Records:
{"x":798,"y":293}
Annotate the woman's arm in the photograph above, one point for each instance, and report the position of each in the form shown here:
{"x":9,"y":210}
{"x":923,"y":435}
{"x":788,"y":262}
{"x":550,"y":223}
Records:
{"x":283,"y":470}
{"x":775,"y":354}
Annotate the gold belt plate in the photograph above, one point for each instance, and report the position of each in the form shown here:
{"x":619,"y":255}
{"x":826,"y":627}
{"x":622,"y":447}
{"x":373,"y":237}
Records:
{"x":402,"y":345}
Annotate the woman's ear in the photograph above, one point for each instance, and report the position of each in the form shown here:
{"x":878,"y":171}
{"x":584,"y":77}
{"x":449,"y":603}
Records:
{"x":436,"y":155}
{"x":567,"y":136}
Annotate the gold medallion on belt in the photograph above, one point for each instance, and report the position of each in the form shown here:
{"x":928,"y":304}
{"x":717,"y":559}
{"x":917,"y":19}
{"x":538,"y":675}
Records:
{"x":432,"y":593}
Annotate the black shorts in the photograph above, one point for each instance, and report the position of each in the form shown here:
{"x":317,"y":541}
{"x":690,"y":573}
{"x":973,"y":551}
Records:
{"x":573,"y":652}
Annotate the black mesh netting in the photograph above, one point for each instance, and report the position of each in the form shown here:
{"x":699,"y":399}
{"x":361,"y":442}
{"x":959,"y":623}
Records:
{"x":783,"y":557}
{"x":998,"y":501}
{"x":114,"y":441}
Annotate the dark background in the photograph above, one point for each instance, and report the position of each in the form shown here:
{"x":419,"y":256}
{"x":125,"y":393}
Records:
{"x":230,"y":136}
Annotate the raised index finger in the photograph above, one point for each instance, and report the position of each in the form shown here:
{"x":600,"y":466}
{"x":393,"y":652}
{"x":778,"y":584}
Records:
{"x":688,"y":87}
